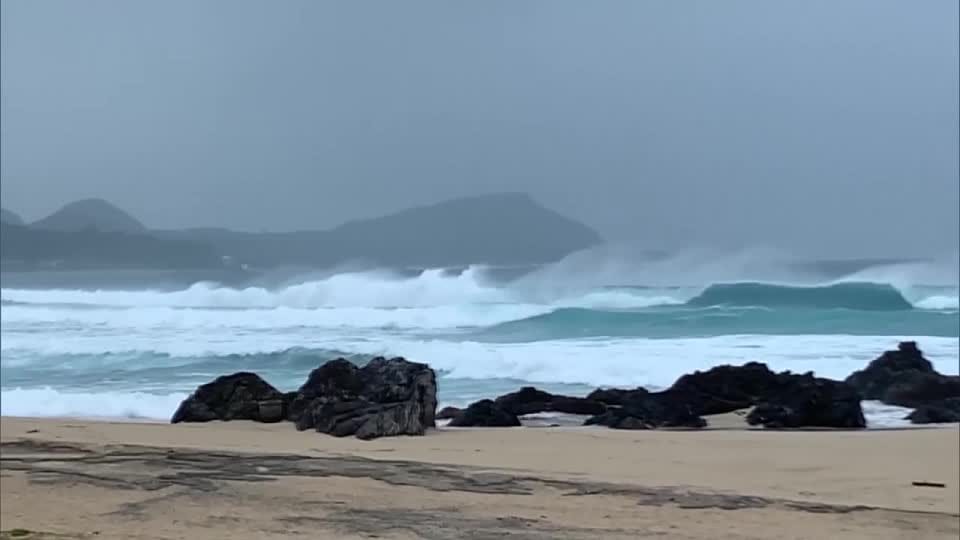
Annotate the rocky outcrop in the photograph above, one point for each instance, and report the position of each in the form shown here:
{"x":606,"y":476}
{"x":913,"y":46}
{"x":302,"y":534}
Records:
{"x":576,"y":405}
{"x":383,"y":398}
{"x":336,"y":379}
{"x":914,"y":389}
{"x":485,"y":413}
{"x":873,"y":381}
{"x":808,"y":401}
{"x":905,"y":378}
{"x":530,"y":400}
{"x":724,"y":389}
{"x":649,"y":410}
{"x":937,"y":412}
{"x":397,"y":397}
{"x":448,"y":413}
{"x":614,"y":396}
{"x":241,"y":396}
{"x":780,"y":400}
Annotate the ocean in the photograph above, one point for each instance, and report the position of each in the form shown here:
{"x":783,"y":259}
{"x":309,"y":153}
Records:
{"x":134,"y":352}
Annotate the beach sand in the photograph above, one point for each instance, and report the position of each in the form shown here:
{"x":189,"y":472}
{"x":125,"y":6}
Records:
{"x":240,"y":480}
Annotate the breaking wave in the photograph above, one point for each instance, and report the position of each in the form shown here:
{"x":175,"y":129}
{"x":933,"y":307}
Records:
{"x":859,"y":296}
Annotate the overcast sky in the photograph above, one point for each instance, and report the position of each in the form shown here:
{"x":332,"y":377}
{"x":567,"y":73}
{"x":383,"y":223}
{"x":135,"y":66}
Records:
{"x":826,"y":127}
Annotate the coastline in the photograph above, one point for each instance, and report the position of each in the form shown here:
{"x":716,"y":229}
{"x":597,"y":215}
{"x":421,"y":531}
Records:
{"x":721,"y":482}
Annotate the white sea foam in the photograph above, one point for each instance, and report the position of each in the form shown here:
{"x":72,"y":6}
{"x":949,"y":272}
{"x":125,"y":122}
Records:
{"x":622,"y":362}
{"x":942,"y":302}
{"x":360,"y":289}
{"x":48,"y":402}
{"x":881,"y":415}
{"x":427,"y":318}
{"x":432,"y":300}
{"x":382,"y":290}
{"x":654,"y":363}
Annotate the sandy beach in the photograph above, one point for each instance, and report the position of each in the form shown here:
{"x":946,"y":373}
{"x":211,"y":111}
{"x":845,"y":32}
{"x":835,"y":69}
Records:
{"x":84,"y":479}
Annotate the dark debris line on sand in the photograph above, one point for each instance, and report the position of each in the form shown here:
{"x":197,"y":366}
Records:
{"x":142,"y":468}
{"x":171,"y":476}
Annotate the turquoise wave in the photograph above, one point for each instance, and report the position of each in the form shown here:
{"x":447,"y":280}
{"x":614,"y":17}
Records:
{"x":858,"y":296}
{"x":104,"y":371}
{"x":688,"y":321}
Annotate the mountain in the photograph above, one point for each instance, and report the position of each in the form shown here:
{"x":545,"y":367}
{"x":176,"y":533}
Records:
{"x":95,"y":214}
{"x":498,"y":229}
{"x":10,"y":218}
{"x":93,"y":233}
{"x":505,"y":229}
{"x":24,"y":247}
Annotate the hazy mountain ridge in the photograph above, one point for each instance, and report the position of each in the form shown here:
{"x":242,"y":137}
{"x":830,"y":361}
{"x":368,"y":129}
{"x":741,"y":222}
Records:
{"x":23,"y":247}
{"x":10,"y":218}
{"x":96,"y":214}
{"x":503,"y":229}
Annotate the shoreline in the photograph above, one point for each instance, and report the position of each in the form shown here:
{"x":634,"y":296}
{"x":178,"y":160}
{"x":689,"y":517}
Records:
{"x":561,"y":421}
{"x":555,"y":420}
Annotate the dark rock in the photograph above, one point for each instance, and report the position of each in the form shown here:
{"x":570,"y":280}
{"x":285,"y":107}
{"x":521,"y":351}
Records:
{"x":873,"y":381}
{"x":779,"y":400}
{"x":718,"y":390}
{"x":485,"y":413}
{"x":905,"y":378}
{"x":808,"y":401}
{"x":937,"y":412}
{"x":914,"y":389}
{"x":724,"y":389}
{"x":527,"y":400}
{"x":614,"y":396}
{"x":649,"y":410}
{"x":721,"y":389}
{"x":447,"y":413}
{"x":336,"y":379}
{"x":576,"y":405}
{"x":271,"y":410}
{"x":383,"y":398}
{"x":241,"y":396}
{"x":530,"y":400}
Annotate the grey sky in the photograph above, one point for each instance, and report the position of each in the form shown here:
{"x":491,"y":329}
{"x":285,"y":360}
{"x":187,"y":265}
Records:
{"x":824,"y":127}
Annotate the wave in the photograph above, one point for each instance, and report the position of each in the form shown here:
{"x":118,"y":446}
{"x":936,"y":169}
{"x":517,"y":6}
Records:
{"x":355,"y":289}
{"x":858,"y":296}
{"x":607,"y":362}
{"x":439,"y":301}
{"x":440,"y":287}
{"x":685,"y":321}
{"x":49,"y":402}
{"x":938,"y":302}
{"x":422,"y":318}
{"x":86,"y":368}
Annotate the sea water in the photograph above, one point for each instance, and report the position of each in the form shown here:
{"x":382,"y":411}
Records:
{"x":134,"y":353}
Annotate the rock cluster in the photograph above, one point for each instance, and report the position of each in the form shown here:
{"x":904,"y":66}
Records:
{"x":382,"y":398}
{"x":905,"y":378}
{"x":388,"y":397}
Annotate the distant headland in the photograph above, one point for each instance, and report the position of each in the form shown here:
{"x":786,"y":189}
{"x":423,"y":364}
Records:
{"x":496,"y":229}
